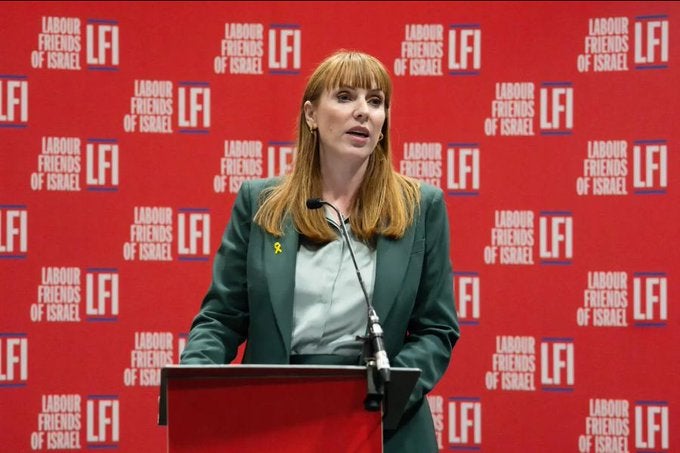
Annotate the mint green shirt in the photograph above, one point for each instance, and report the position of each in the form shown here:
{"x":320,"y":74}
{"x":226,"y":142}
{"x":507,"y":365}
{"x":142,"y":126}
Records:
{"x":329,"y":309}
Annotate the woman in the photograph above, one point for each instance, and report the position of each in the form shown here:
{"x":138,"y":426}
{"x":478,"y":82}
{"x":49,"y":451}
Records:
{"x":283,"y":278}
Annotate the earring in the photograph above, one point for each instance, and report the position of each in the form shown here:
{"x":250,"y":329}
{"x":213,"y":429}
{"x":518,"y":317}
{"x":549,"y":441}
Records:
{"x":312,"y":129}
{"x":381,"y":136}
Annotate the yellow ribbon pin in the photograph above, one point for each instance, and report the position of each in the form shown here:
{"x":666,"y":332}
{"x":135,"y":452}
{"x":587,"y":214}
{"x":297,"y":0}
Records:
{"x":277,"y":248}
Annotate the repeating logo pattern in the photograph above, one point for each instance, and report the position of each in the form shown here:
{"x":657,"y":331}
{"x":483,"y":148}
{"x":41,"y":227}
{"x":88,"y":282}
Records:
{"x":127,"y":134}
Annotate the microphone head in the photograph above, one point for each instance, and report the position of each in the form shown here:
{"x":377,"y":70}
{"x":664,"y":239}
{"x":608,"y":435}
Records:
{"x":314,"y":203}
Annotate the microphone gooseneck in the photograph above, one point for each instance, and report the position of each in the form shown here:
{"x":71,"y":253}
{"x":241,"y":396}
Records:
{"x":375,"y":332}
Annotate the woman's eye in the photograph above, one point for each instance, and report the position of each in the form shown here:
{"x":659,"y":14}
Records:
{"x":376,"y":101}
{"x":343,"y":96}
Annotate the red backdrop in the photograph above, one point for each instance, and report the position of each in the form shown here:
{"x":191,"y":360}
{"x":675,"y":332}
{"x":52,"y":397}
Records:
{"x":126,"y":129}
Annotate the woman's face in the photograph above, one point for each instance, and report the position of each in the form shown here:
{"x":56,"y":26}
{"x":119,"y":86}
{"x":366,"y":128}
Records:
{"x":348,"y":120}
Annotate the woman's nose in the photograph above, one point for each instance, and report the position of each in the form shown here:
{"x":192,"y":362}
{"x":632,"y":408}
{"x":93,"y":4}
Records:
{"x":361,"y":108}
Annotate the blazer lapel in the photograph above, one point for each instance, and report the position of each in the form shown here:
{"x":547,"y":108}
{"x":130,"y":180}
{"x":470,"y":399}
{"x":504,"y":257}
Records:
{"x":279,"y":257}
{"x":392,"y":260}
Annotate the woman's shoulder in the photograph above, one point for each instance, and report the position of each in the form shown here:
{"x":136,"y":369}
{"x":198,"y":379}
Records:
{"x":256,"y":186}
{"x":428,"y":192}
{"x":263,"y":183}
{"x":425,"y":190}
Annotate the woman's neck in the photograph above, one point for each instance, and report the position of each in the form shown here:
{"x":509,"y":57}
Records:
{"x":341,"y":183}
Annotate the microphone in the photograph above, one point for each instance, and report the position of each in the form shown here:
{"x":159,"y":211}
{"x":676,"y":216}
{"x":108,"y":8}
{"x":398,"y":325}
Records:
{"x":375,"y":332}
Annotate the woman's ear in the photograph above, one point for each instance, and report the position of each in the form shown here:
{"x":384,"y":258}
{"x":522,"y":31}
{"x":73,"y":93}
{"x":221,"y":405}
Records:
{"x":310,"y":115}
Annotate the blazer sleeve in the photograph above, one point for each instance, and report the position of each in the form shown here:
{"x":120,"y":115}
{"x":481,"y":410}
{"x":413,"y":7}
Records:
{"x":433,"y":325}
{"x":222,"y":322}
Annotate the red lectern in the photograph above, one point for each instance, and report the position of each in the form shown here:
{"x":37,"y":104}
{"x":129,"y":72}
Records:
{"x":286,"y":408}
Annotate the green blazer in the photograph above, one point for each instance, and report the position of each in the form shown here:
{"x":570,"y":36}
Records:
{"x":251,"y":297}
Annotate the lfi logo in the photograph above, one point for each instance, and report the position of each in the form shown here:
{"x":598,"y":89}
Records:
{"x":465,"y":423}
{"x":557,"y":364}
{"x":102,"y":45}
{"x":103,"y":421}
{"x":651,"y":42}
{"x":193,"y":107}
{"x":466,"y":289}
{"x":650,"y":299}
{"x":651,"y":425}
{"x":279,"y":158}
{"x":556,"y":230}
{"x":13,"y":100}
{"x":193,"y":240}
{"x":102,"y":164}
{"x":557,"y":108}
{"x":102,"y":301}
{"x":13,"y":231}
{"x":650,"y":166}
{"x":462,"y":165}
{"x":465,"y":49}
{"x":13,"y":359}
{"x":285,"y":49}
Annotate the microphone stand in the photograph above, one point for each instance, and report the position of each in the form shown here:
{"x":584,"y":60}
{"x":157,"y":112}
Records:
{"x":375,"y":357}
{"x":375,"y":387}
